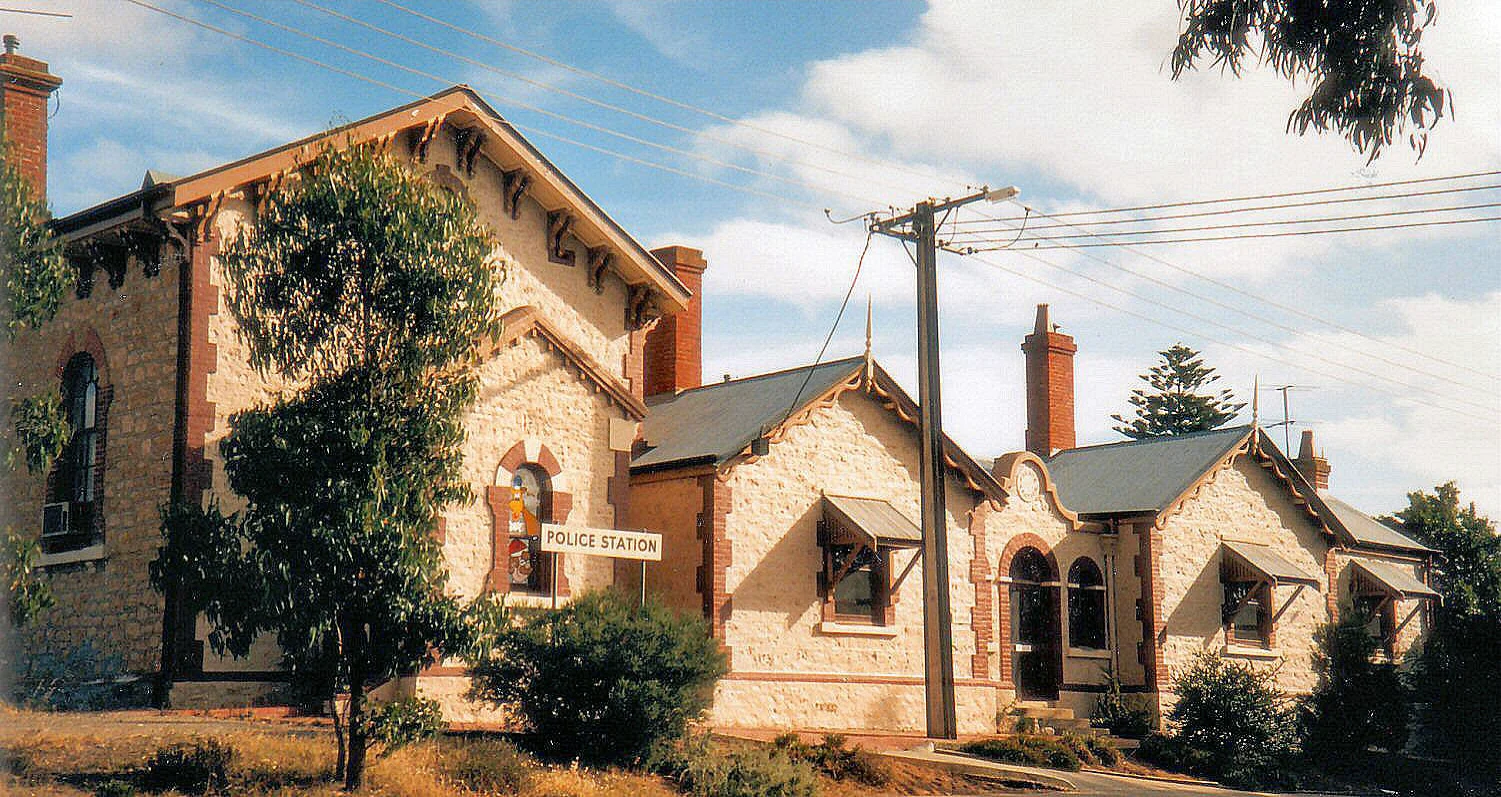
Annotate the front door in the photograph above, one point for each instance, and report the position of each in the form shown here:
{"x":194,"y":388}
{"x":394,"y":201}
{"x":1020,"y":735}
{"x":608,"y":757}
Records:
{"x":1034,"y":626}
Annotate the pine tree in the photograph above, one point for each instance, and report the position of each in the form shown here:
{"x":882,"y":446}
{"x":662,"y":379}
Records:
{"x":1174,"y":404}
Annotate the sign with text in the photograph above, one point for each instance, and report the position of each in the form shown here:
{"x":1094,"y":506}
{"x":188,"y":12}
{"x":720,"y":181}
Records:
{"x":642,"y":545}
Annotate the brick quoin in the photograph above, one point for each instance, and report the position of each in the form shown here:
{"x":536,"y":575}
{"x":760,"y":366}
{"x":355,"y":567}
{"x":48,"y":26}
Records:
{"x":1050,"y":387}
{"x":982,"y":616}
{"x":713,"y":573}
{"x":674,"y":347}
{"x":25,"y":87}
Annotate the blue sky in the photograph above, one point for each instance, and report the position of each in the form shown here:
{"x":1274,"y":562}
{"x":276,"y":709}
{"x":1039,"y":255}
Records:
{"x":858,"y":105}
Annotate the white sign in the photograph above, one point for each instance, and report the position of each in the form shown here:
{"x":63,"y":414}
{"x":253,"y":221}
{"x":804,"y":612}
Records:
{"x":642,"y":545}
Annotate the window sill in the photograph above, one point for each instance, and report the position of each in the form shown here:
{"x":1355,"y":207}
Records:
{"x":855,"y":629}
{"x":91,"y":553}
{"x":1089,"y":653}
{"x":532,"y":600}
{"x":1247,"y":652}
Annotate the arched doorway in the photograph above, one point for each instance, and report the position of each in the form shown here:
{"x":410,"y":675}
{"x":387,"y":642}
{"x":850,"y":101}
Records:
{"x":1034,"y":625}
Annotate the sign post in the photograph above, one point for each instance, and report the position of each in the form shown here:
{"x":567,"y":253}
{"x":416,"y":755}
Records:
{"x":644,"y":546}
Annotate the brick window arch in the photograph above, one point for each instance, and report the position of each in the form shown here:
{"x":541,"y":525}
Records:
{"x":73,"y":517}
{"x":529,"y":475}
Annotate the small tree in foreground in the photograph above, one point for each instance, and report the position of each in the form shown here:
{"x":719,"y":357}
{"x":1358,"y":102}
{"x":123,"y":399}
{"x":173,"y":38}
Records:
{"x":1234,"y":720}
{"x":369,"y":286}
{"x":1358,"y":703}
{"x":1174,"y":404}
{"x":602,"y":680}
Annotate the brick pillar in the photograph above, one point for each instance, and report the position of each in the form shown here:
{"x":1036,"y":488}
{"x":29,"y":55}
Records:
{"x":1050,"y":387}
{"x":674,"y":348}
{"x":25,"y":86}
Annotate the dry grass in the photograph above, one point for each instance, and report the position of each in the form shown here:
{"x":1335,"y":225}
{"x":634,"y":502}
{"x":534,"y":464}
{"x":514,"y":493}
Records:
{"x":68,"y":755}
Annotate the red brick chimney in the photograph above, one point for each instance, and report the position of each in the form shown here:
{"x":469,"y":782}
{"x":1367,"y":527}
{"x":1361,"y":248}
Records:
{"x":1313,"y":467}
{"x":1050,"y":387}
{"x":25,"y":86}
{"x":674,"y":348}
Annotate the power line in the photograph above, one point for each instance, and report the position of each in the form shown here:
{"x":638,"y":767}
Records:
{"x":392,"y":87}
{"x":1200,"y":335}
{"x":35,"y":13}
{"x":1313,"y":203}
{"x":822,"y":350}
{"x":1288,"y":234}
{"x":1258,"y":197}
{"x":1278,"y":304}
{"x":1275,"y":223}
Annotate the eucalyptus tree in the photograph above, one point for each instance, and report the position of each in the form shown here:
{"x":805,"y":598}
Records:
{"x":366,"y":287}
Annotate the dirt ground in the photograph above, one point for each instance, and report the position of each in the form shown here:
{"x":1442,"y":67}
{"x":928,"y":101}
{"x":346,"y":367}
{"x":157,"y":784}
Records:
{"x":74,"y":754}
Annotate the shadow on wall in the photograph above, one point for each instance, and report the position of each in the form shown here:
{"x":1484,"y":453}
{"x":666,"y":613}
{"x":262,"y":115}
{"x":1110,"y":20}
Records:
{"x":785,"y":580}
{"x":1198,"y":613}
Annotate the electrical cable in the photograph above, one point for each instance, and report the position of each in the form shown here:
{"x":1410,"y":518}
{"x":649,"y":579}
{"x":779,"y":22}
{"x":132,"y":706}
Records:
{"x":1285,"y":234}
{"x":822,"y":350}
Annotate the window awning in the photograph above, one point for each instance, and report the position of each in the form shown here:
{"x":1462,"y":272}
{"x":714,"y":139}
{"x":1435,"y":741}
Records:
{"x":1268,"y":564}
{"x":1392,"y":580}
{"x":880,"y":521}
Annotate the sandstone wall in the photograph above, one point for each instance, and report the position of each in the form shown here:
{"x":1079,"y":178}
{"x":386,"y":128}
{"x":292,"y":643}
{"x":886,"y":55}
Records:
{"x":670,"y":507}
{"x":1241,"y":503}
{"x":852,"y":448}
{"x":105,"y":598}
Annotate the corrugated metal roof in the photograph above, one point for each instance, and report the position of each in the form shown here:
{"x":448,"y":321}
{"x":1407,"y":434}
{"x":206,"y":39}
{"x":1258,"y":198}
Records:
{"x":710,"y":424}
{"x":1368,"y":530}
{"x":878,"y":519}
{"x":1269,"y":563}
{"x":1395,"y":578}
{"x":1138,"y":475}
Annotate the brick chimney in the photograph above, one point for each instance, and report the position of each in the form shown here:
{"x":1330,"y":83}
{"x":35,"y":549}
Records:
{"x":1050,"y":387}
{"x":1313,"y":467}
{"x":674,"y":348}
{"x":25,"y":86}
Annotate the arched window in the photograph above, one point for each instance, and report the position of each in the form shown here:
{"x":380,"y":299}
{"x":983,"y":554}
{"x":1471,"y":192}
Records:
{"x":531,"y":506}
{"x":71,"y":517}
{"x":1086,"y":605}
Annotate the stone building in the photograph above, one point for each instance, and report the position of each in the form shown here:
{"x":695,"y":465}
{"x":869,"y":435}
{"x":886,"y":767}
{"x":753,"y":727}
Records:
{"x":788,"y":501}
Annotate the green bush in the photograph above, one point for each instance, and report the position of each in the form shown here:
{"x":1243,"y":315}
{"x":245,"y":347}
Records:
{"x":80,"y":678}
{"x":1081,"y":750}
{"x":485,"y":766}
{"x":114,"y":788}
{"x":394,"y":724}
{"x":192,"y":768}
{"x":1234,"y":714}
{"x":1122,"y":716}
{"x":835,"y":759}
{"x":701,"y":770}
{"x":1026,"y":749}
{"x":1174,"y":754}
{"x":1358,"y":703}
{"x":602,"y":680}
{"x":1105,"y":752}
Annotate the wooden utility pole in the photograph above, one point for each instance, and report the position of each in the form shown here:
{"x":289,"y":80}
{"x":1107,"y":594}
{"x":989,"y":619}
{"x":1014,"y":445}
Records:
{"x":920,"y":227}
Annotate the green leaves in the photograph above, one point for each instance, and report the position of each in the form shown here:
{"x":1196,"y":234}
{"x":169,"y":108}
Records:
{"x":29,"y":591}
{"x":1362,"y":57}
{"x":34,"y":274}
{"x":1174,"y":405}
{"x":42,"y":430}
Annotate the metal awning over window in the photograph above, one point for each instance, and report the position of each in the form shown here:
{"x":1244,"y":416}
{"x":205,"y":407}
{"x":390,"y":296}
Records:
{"x":1390,"y":579}
{"x":1260,"y":563}
{"x":880,"y":521}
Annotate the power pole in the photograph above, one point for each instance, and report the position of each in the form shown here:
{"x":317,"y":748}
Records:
{"x":920,"y":228}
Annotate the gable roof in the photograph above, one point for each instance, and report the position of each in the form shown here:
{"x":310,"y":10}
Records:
{"x":527,"y":321}
{"x":1138,"y":476}
{"x":459,"y":107}
{"x":714,"y":424}
{"x":709,"y":425}
{"x":1368,"y":530}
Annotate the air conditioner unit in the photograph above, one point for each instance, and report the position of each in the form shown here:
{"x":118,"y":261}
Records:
{"x":55,"y":520}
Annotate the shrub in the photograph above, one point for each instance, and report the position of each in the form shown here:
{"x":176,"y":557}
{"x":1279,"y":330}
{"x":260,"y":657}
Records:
{"x":1105,"y":752}
{"x":833,"y":758}
{"x":1076,"y":745}
{"x":1036,"y":751}
{"x":485,"y":766}
{"x":1234,"y":714}
{"x":1172,"y":753}
{"x":1358,"y":703}
{"x":395,"y":724}
{"x":1121,"y":716}
{"x":602,"y":680}
{"x":81,"y":678}
{"x":703,"y":771}
{"x":114,"y":788}
{"x":192,"y":768}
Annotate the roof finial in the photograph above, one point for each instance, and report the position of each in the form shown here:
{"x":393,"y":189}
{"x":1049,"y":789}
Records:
{"x":1256,"y":400}
{"x":869,"y":358}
